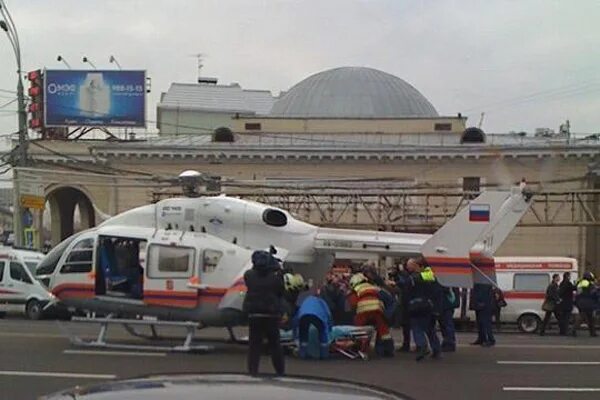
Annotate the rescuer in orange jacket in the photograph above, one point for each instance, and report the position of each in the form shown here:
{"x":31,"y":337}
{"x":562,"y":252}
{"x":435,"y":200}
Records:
{"x":365,"y":298}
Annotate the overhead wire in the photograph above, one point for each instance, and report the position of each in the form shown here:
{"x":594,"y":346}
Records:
{"x":9,"y":103}
{"x":76,"y":160}
{"x":536,"y":95}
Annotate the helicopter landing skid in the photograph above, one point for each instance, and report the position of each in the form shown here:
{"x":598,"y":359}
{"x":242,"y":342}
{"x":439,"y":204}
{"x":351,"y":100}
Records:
{"x":101,"y":339}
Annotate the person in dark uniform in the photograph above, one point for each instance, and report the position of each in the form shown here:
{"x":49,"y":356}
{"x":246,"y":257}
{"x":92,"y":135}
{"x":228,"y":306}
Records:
{"x":498,"y":303}
{"x":586,"y":301}
{"x":424,"y":307}
{"x":450,"y":302}
{"x":403,"y":284}
{"x":551,"y":303}
{"x":263,"y":304}
{"x":482,"y":298}
{"x":566,"y":289}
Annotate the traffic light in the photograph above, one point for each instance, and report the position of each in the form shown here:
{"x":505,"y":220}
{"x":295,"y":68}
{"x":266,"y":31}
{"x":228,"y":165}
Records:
{"x":36,"y":96}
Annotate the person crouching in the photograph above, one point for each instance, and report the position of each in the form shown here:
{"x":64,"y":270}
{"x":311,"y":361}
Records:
{"x":365,"y":299}
{"x":313,"y":312}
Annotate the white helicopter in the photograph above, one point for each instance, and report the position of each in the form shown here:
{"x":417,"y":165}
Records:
{"x":184,"y":258}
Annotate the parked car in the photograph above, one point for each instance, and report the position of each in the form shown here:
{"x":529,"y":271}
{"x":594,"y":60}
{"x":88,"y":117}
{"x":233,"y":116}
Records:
{"x":17,"y":281}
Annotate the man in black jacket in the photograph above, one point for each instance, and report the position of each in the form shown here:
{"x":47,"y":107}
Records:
{"x":403,"y":283}
{"x":263,"y":304}
{"x":450,"y":301}
{"x":481,"y":301}
{"x":566,"y":289}
{"x":424,"y":306}
{"x":551,"y":303}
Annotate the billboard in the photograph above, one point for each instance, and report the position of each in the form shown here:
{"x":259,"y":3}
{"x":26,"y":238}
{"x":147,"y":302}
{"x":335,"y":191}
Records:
{"x":95,"y":98}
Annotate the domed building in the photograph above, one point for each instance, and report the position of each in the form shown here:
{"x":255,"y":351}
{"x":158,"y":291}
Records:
{"x":353,"y":92}
{"x":351,"y":100}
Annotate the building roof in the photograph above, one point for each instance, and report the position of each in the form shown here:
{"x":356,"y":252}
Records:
{"x":216,"y":98}
{"x":283,"y":147}
{"x":353,"y":92}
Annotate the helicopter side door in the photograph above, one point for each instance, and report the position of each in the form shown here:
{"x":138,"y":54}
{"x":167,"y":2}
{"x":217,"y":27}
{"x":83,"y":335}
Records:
{"x":169,"y":267}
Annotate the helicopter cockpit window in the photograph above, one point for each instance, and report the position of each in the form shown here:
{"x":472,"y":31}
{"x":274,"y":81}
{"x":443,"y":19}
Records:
{"x":274,"y":217}
{"x":211,"y":260}
{"x":80,"y":258}
{"x":170,"y":262}
{"x":48,"y":264}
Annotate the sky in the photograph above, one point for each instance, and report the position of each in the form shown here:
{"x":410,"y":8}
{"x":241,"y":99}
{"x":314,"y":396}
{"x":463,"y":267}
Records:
{"x":525,"y":63}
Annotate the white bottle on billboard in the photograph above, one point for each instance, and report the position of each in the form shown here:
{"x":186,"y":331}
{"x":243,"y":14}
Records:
{"x":94,"y":96}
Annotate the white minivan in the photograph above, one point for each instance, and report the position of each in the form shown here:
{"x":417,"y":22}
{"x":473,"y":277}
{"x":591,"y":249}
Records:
{"x":524,"y":281}
{"x":18,"y":285}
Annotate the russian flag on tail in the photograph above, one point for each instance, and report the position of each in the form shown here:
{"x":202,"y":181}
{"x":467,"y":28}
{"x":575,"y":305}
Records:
{"x":479,"y":213}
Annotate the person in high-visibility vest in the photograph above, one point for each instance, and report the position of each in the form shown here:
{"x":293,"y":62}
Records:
{"x":370,"y":311}
{"x":424,"y":305}
{"x":586,"y":301}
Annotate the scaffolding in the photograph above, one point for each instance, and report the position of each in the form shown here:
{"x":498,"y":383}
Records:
{"x":414,"y":210}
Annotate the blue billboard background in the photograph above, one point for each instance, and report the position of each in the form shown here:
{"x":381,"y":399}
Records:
{"x":95,"y":98}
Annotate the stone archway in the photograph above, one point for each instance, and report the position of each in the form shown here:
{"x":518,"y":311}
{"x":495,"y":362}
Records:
{"x":63,"y":202}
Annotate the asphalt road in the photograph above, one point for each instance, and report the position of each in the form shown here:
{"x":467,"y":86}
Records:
{"x":36,"y":358}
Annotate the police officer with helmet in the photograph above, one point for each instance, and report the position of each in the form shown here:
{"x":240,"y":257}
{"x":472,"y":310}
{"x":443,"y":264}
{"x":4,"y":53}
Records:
{"x":586,"y":301}
{"x":424,"y":305}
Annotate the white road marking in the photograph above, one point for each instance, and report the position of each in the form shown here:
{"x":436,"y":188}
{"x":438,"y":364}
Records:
{"x":540,"y":346}
{"x":548,"y":362}
{"x":30,"y":335}
{"x":57,"y":375}
{"x":114,"y":353}
{"x":549,"y":389}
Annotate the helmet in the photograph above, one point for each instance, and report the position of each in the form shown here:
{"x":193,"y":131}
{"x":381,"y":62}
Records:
{"x":589,"y":276}
{"x":294,"y":282}
{"x":357,"y":279}
{"x":288,"y":282}
{"x":299,"y":283}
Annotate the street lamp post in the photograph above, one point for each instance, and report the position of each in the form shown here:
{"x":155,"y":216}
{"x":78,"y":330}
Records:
{"x":8,"y":26}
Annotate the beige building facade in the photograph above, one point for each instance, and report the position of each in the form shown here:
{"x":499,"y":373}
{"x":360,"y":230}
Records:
{"x":110,"y":178}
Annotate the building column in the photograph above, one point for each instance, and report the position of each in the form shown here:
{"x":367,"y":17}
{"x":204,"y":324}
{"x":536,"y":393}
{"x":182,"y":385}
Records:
{"x":38,"y":223}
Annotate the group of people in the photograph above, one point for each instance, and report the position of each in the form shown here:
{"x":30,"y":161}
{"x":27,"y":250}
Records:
{"x":363,"y":298}
{"x":561,"y":298}
{"x":410,"y":297}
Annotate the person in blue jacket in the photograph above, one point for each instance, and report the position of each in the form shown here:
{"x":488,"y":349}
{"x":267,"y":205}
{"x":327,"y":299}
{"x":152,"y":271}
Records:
{"x":313,"y":312}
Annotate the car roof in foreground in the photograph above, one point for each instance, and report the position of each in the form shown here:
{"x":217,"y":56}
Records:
{"x":227,"y":387}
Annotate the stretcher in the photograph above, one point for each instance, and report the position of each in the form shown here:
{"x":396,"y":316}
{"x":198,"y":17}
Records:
{"x":353,"y":342}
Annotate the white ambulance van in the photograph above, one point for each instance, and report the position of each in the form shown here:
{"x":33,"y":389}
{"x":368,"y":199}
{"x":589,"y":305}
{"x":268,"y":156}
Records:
{"x":18,"y":285}
{"x":524,"y":280}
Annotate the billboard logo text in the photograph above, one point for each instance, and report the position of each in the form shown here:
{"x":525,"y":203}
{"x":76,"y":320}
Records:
{"x":57,"y":88}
